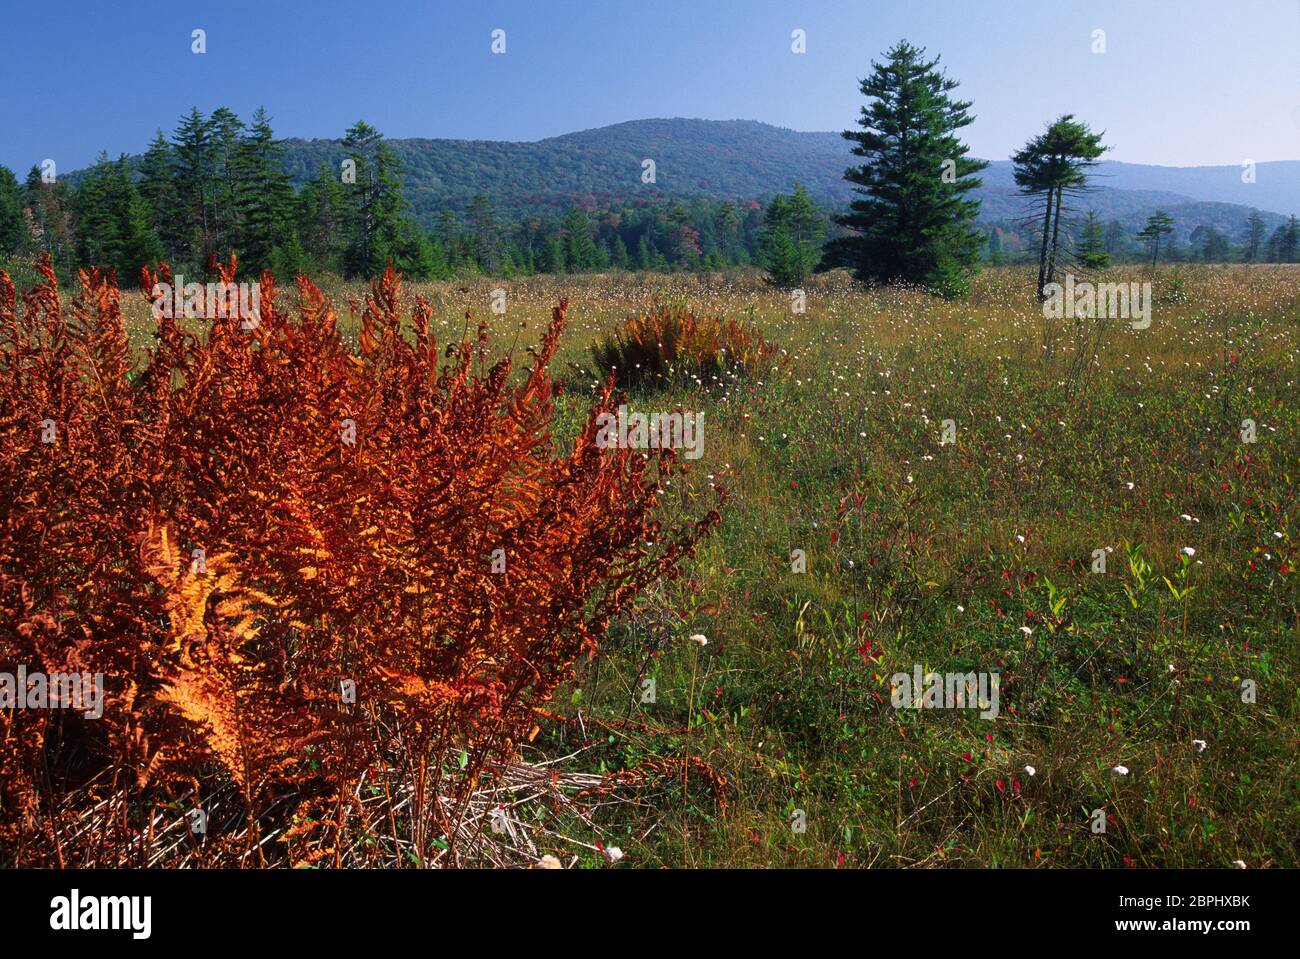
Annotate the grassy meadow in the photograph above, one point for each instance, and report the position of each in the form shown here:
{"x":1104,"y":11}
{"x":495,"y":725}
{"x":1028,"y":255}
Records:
{"x":776,"y":744}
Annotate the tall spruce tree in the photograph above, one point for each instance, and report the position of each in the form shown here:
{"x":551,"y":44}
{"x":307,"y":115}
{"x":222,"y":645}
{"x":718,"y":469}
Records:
{"x":1288,"y":241}
{"x":579,"y":247}
{"x":791,"y":241}
{"x":1158,"y":224}
{"x":1254,"y":236}
{"x":263,"y":197}
{"x":1054,"y":165}
{"x":485,"y":235}
{"x":1092,"y":245}
{"x":321,"y":210}
{"x":161,"y":198}
{"x":13,"y":229}
{"x":375,"y":202}
{"x":113,"y":227}
{"x":912,"y":221}
{"x":227,"y":136}
{"x":193,"y":176}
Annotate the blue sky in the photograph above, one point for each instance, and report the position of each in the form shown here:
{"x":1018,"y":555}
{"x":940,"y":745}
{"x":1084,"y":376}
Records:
{"x":1182,"y":82}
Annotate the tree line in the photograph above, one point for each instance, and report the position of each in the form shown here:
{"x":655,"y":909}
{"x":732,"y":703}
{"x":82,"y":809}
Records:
{"x":218,"y":184}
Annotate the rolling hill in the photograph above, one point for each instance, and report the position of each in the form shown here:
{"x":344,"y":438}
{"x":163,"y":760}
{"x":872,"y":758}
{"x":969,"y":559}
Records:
{"x":747,"y":160}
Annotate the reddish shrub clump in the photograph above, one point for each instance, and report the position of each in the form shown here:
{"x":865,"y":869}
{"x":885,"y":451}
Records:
{"x":671,"y":345}
{"x":258,"y":521}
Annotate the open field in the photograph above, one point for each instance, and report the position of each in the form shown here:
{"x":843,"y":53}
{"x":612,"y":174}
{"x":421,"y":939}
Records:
{"x":975,"y":555}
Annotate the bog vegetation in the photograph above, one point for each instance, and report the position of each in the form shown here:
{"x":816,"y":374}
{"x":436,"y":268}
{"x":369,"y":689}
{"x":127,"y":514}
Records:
{"x":477,"y":694}
{"x":308,"y":575}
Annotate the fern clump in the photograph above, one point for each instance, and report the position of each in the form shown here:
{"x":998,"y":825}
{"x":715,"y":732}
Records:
{"x":298,"y":568}
{"x":671,"y":345}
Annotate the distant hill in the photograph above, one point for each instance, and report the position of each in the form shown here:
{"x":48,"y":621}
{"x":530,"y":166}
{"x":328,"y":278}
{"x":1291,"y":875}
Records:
{"x":734,"y":159}
{"x":746,"y":160}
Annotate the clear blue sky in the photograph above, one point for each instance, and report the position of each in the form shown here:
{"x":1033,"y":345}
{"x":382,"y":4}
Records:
{"x":1182,"y":82}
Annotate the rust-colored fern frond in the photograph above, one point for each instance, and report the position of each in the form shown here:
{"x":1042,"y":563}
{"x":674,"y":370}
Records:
{"x":672,"y":345}
{"x":297,"y":568}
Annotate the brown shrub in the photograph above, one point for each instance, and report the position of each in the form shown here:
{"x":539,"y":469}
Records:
{"x":672,"y":345}
{"x":207,"y":534}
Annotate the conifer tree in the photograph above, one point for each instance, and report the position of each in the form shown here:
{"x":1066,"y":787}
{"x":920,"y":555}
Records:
{"x":375,"y":202}
{"x":1054,"y":165}
{"x":579,"y":248}
{"x":1092,"y":246}
{"x":1254,"y":236}
{"x":192,"y":174}
{"x":13,"y":230}
{"x":911,"y":220}
{"x":263,"y":197}
{"x":792,"y":235}
{"x":1158,"y":224}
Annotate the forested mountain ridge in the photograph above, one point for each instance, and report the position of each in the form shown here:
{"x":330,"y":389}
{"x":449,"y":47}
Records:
{"x":742,"y":160}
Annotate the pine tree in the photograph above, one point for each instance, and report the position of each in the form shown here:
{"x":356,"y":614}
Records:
{"x":618,"y":253}
{"x":97,"y":223}
{"x":375,"y":204}
{"x":791,"y":243}
{"x":161,"y":198}
{"x":192,"y":174}
{"x":113,"y":228}
{"x":485,"y":235}
{"x":1158,"y":224}
{"x":447,"y":231}
{"x":1255,"y":236}
{"x":1092,"y":248}
{"x":553,"y":254}
{"x":996,"y":256}
{"x":579,"y":248}
{"x":13,"y":230}
{"x":262,"y":196}
{"x":1210,"y":244}
{"x":227,"y":132}
{"x":140,"y":243}
{"x":1289,"y":242}
{"x":1275,"y":244}
{"x":439,"y":269}
{"x":289,"y":259}
{"x":1054,"y":165}
{"x":322,"y":214}
{"x":644,"y":261}
{"x":1114,"y":237}
{"x":912,"y":221}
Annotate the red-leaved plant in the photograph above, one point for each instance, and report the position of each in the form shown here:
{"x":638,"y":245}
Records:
{"x":255,"y":523}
